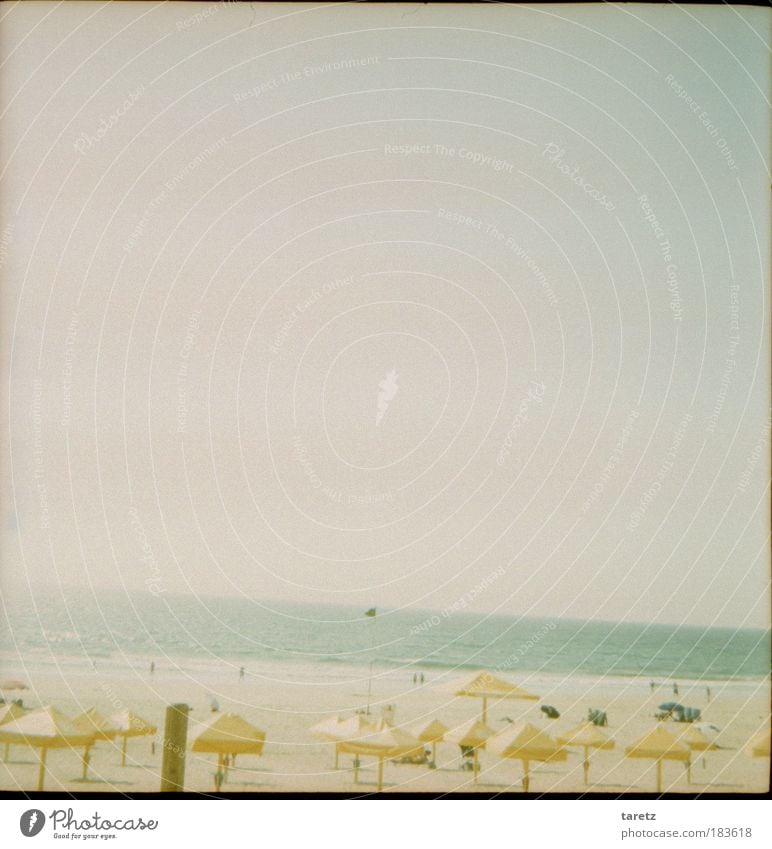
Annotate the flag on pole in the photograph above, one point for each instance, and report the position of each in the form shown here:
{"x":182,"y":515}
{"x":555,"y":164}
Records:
{"x":370,"y":613}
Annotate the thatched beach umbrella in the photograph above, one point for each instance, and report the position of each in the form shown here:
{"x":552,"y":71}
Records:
{"x":44,"y":729}
{"x":99,"y":727}
{"x":130,"y":725}
{"x":471,"y":736}
{"x":697,"y":742}
{"x":9,"y":684}
{"x":430,"y":731}
{"x":338,"y":728}
{"x":659,"y":745}
{"x":759,"y":745}
{"x":485,"y":685}
{"x":525,"y":742}
{"x":228,"y":735}
{"x":387,"y":743}
{"x":588,"y":736}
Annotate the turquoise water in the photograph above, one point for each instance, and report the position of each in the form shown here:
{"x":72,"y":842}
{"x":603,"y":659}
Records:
{"x":82,"y":624}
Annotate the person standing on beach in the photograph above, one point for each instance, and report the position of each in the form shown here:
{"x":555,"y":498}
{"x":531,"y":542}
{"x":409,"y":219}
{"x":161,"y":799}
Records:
{"x":675,"y":689}
{"x":241,"y":673}
{"x":707,"y":690}
{"x":651,"y":686}
{"x":152,"y":667}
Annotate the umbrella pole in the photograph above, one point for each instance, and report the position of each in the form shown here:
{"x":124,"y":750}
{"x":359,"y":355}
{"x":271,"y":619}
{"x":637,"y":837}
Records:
{"x":123,"y":750}
{"x":485,"y":710}
{"x":5,"y":751}
{"x":586,"y":767}
{"x":476,"y":765}
{"x":526,"y":777}
{"x":336,"y":755}
{"x":86,"y":759}
{"x":42,"y":770}
{"x":356,"y":769}
{"x":659,"y":776}
{"x":689,"y":771}
{"x":380,"y":774}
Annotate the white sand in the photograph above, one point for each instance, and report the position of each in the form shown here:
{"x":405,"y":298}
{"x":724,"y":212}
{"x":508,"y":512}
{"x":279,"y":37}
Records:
{"x":285,"y":701}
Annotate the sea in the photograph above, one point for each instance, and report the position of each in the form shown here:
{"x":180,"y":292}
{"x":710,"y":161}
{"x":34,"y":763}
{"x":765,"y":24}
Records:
{"x":99,"y":625}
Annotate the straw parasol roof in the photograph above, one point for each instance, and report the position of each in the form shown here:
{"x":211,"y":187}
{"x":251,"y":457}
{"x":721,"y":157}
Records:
{"x":387,"y":743}
{"x":12,"y":684}
{"x":659,"y":745}
{"x":588,"y":736}
{"x":129,"y":724}
{"x":229,"y":734}
{"x":525,"y":742}
{"x":429,"y":731}
{"x":337,"y":728}
{"x":44,"y":729}
{"x":94,"y":723}
{"x":696,"y":740}
{"x":472,"y":733}
{"x":326,"y":728}
{"x":759,"y":745}
{"x":485,"y":685}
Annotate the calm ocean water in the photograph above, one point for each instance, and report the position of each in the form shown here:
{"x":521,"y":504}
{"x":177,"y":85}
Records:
{"x":82,"y":624}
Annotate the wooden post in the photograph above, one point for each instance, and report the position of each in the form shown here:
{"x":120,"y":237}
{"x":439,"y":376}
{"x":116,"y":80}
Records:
{"x":175,"y":741}
{"x":123,"y":750}
{"x":42,"y":770}
{"x":5,"y":751}
{"x":485,"y":710}
{"x":526,"y":777}
{"x":380,"y":774}
{"x":689,"y":771}
{"x":586,"y":766}
{"x":86,"y":759}
{"x":475,"y":764}
{"x":336,"y":755}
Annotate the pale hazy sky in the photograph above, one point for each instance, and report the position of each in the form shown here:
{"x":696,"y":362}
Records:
{"x":224,"y":226}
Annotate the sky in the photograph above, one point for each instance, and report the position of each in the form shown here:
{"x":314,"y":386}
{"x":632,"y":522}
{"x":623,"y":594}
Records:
{"x":389,"y":305}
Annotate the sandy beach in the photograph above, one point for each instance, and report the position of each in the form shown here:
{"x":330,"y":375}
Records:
{"x":285,"y":700}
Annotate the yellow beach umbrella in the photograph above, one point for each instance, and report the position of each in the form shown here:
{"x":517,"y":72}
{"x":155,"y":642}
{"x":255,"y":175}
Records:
{"x":659,"y":745}
{"x":387,"y":743}
{"x":485,"y":685}
{"x":588,"y":736}
{"x":430,"y":731}
{"x":44,"y":729}
{"x":9,"y":684}
{"x":759,"y":745}
{"x":697,"y":742}
{"x":99,"y":727}
{"x":525,"y":742}
{"x":130,"y":725}
{"x":228,"y":735}
{"x":472,"y":734}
